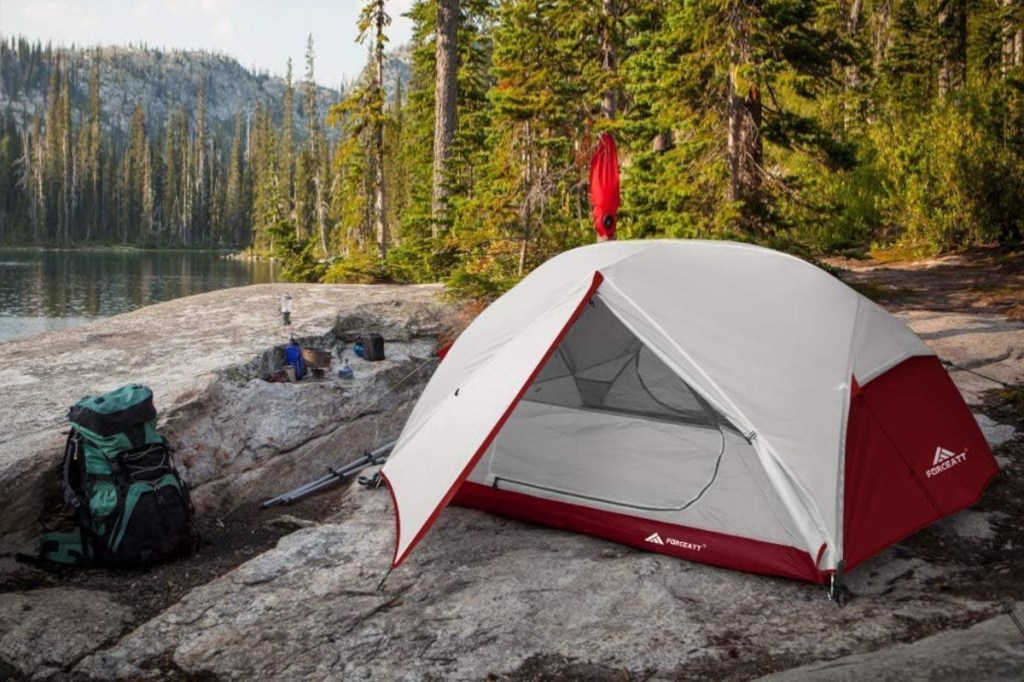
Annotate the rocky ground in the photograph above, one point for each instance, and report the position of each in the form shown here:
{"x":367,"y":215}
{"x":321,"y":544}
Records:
{"x":983,"y":281}
{"x":292,"y":593}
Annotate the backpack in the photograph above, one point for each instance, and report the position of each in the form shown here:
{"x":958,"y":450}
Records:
{"x":131,"y":507}
{"x":373,"y":347}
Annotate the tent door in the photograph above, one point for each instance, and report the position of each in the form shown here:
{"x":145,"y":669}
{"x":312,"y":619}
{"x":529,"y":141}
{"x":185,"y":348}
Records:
{"x":606,"y":420}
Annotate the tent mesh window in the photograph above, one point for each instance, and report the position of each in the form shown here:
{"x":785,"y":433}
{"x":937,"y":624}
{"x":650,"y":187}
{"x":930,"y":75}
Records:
{"x":601,"y":365}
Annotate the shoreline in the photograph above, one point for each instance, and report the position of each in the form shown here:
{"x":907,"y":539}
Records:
{"x":113,"y":249}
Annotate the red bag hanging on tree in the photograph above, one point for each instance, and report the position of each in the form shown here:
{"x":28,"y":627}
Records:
{"x":604,"y":187}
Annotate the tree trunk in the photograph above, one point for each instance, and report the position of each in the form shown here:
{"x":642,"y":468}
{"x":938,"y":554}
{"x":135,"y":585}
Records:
{"x":752,"y":147}
{"x":881,"y":20}
{"x":609,"y":99}
{"x":380,"y":217}
{"x":528,"y":198}
{"x":952,"y":17}
{"x":40,"y":177}
{"x":736,"y":109}
{"x":1013,"y":38}
{"x":320,"y":216}
{"x":445,"y":97}
{"x":745,"y":151}
{"x":65,"y":217}
{"x":852,"y":71}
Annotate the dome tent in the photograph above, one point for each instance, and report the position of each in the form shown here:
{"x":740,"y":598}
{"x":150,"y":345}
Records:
{"x":719,"y":402}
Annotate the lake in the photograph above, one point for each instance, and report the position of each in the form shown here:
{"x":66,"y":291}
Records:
{"x":45,"y":290}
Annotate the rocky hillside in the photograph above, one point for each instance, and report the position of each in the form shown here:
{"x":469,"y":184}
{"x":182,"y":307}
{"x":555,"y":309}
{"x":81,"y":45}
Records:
{"x":161,"y":80}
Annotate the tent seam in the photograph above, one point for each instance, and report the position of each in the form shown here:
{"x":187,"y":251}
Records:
{"x":844,"y":426}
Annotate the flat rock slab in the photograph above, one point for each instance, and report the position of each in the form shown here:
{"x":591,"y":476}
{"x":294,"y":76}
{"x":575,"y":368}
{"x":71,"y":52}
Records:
{"x":181,"y":349}
{"x":988,"y":345}
{"x":995,"y":433}
{"x":992,"y":650}
{"x":44,"y":632}
{"x":485,"y":595}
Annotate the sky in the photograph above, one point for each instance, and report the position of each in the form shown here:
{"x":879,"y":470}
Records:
{"x":260,"y":34}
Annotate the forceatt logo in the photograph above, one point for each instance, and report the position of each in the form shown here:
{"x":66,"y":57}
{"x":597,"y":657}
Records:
{"x":656,"y":539}
{"x":944,"y":461}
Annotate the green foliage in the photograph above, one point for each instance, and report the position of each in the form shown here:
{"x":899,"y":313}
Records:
{"x":948,"y":184}
{"x":360,"y":266}
{"x":809,"y":126}
{"x":414,"y":261}
{"x":682,"y":59}
{"x":422,"y":260}
{"x":841,"y":210}
{"x":298,"y":258}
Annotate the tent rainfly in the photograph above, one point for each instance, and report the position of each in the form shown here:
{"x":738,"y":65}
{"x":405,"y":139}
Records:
{"x":718,"y":402}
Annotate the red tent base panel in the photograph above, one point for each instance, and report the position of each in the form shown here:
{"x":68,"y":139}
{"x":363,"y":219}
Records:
{"x":717,"y":549}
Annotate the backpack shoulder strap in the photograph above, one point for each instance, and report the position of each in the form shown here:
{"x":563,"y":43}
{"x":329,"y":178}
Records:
{"x":71,"y":495}
{"x":73,"y":474}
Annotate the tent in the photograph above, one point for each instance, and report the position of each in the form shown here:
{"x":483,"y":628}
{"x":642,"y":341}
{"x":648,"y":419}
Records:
{"x":719,"y":402}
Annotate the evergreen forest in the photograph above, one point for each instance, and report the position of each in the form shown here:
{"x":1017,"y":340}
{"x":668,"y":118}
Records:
{"x":813,"y":126}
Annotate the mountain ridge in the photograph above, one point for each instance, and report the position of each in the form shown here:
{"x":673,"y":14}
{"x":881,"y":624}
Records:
{"x":162,"y":80}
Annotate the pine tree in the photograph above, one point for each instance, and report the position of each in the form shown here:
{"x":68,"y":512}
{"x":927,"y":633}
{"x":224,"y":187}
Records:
{"x":309,"y":102}
{"x":445,"y":112}
{"x":51,"y":159}
{"x":307,"y":170}
{"x":200,"y":203}
{"x":91,"y":144}
{"x":952,"y":20}
{"x":137,"y":180}
{"x":374,"y":18}
{"x":287,"y":151}
{"x":234,"y":211}
{"x":726,"y":77}
{"x":68,"y":163}
{"x":907,"y":69}
{"x":171,"y":196}
{"x":395,"y":177}
{"x":417,"y":219}
{"x":269,"y":200}
{"x":540,"y":107}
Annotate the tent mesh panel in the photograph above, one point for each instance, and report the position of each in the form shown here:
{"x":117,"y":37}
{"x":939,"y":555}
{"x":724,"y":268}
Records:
{"x":601,"y":365}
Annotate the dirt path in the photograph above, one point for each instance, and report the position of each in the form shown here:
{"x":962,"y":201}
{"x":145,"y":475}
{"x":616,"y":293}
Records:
{"x":981,"y":281}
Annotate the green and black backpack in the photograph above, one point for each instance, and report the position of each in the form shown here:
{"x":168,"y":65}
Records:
{"x":131,"y":507}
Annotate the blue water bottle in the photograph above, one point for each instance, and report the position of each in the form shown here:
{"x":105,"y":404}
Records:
{"x":293,"y":356}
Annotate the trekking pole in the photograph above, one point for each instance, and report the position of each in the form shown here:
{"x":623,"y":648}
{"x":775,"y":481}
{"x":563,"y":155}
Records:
{"x":335,"y":476}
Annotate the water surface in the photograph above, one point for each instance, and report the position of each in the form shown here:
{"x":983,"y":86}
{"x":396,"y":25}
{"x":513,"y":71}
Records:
{"x":45,"y":290}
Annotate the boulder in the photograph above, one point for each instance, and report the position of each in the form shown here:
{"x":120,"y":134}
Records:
{"x":205,"y":356}
{"x":45,"y":632}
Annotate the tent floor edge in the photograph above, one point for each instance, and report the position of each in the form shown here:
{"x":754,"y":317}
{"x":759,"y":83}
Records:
{"x":699,"y":546}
